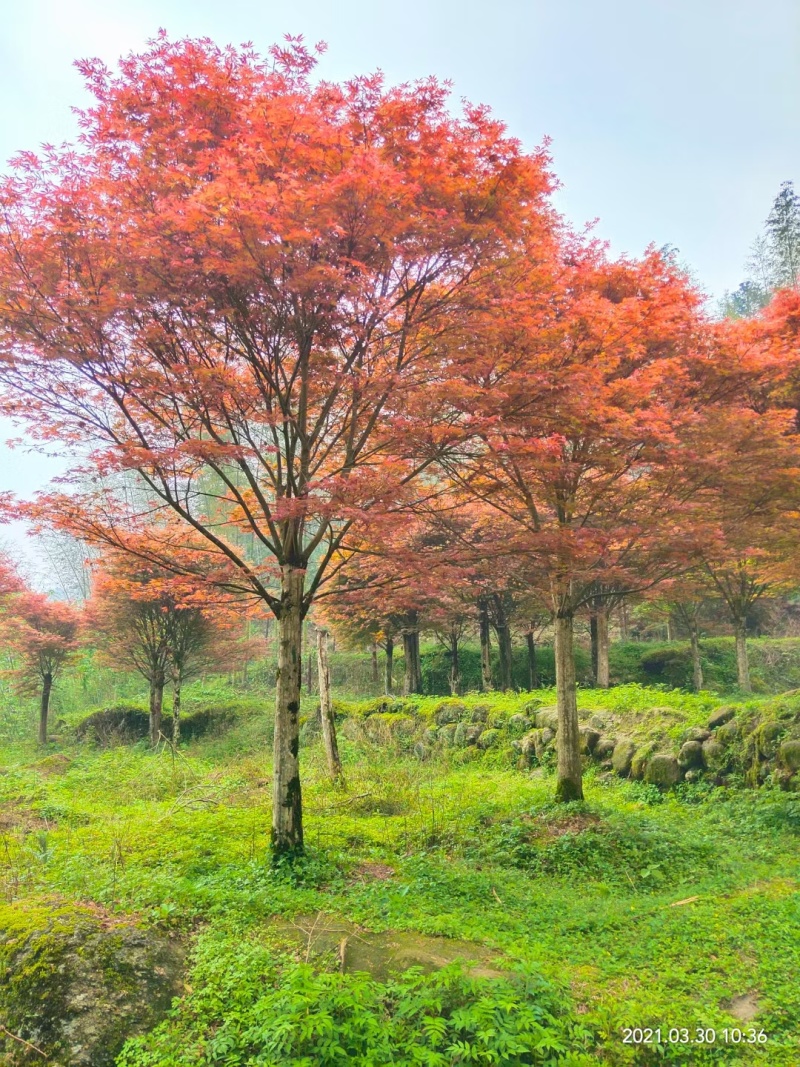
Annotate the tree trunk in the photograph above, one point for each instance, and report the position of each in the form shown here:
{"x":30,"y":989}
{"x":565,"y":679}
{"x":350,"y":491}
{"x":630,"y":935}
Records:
{"x":742,"y":662}
{"x":697,"y":666}
{"x":375,"y":671}
{"x":569,"y":785}
{"x":389,"y":679}
{"x":503,"y":631}
{"x":287,"y":805}
{"x":176,"y":707}
{"x":593,"y":639}
{"x":455,"y":669}
{"x":326,"y":709}
{"x":310,"y":672}
{"x":533,"y":667}
{"x":412,"y":682}
{"x":486,"y":650}
{"x":44,"y":707}
{"x":603,"y":675}
{"x":623,"y":620}
{"x":156,"y":704}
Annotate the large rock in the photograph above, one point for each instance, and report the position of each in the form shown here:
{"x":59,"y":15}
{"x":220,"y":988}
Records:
{"x":588,"y":739}
{"x":448,"y":713}
{"x":599,"y":722}
{"x":728,"y":733}
{"x":691,"y":755}
{"x":431,"y":735}
{"x":720,"y":716}
{"x":446,"y":734}
{"x":518,"y":724}
{"x":604,"y":749}
{"x":662,"y":770}
{"x":639,"y":763}
{"x":715,"y":757}
{"x":696,"y":733}
{"x":547,"y":717}
{"x":622,"y":757}
{"x":789,"y":755}
{"x":489,"y":738}
{"x":769,"y":735}
{"x":76,"y":983}
{"x":480,"y":713}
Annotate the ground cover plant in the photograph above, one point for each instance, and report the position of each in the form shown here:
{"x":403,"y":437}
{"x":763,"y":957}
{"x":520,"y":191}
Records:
{"x":538,"y":932}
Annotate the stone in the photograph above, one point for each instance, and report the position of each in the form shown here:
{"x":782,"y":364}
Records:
{"x":789,"y":755}
{"x":448,"y":713}
{"x":599,"y":722}
{"x":530,"y":707}
{"x":694,"y":774}
{"x":769,"y":734}
{"x":547,"y":717}
{"x":639,"y":764}
{"x":421,"y":751}
{"x":528,"y":744}
{"x":622,"y":756}
{"x":480,"y":713}
{"x":546,"y":736}
{"x":715,"y":757}
{"x":662,"y":770}
{"x":489,"y":738}
{"x":720,"y":716}
{"x":518,"y":724}
{"x":691,"y":754}
{"x":604,"y":749}
{"x":696,"y":733}
{"x":588,"y":739}
{"x":472,"y":733}
{"x":727,"y":733}
{"x":431,"y":735}
{"x":76,"y":983}
{"x":446,"y":734}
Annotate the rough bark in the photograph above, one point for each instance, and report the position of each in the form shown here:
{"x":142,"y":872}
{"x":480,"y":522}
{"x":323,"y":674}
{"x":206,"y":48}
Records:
{"x":533,"y":666}
{"x":455,"y":668}
{"x":287,"y":813}
{"x":412,"y":681}
{"x":326,"y":709}
{"x":156,"y":705}
{"x":44,"y":707}
{"x":569,"y":784}
{"x":742,"y":661}
{"x":176,"y":707}
{"x":503,"y":630}
{"x":375,"y":671}
{"x":486,"y":651}
{"x":697,"y":666}
{"x":623,"y":620}
{"x":603,"y":675}
{"x":389,"y":678}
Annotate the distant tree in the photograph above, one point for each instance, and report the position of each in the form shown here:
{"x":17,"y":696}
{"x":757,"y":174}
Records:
{"x":43,"y":636}
{"x":783,"y":233}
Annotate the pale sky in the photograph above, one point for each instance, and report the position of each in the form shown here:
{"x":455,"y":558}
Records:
{"x":672,"y":121}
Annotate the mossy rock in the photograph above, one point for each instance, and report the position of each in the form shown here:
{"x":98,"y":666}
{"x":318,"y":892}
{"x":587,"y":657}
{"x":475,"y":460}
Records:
{"x":695,"y":733}
{"x":720,"y":716}
{"x":480,"y":713}
{"x":430,"y":736}
{"x":768,"y":738}
{"x":588,"y":739}
{"x":789,"y":755}
{"x":604,"y":749}
{"x":517,"y":725}
{"x":691,"y":755}
{"x":123,"y":724}
{"x":209,"y":722}
{"x":489,"y":738}
{"x":530,"y":707}
{"x":663,"y":770}
{"x":622,"y":756}
{"x":76,"y":983}
{"x":446,"y":734}
{"x":639,"y":762}
{"x":449,"y":712}
{"x":728,"y":733}
{"x":547,"y":717}
{"x":715,"y":756}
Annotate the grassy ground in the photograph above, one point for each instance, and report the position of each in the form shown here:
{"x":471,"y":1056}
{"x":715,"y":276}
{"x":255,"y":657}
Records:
{"x":631,"y":910}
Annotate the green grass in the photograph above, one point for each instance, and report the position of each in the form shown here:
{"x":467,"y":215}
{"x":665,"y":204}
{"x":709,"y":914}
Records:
{"x":633,"y":909}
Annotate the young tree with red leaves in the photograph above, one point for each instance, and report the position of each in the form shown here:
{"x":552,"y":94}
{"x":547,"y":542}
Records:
{"x":42,"y":634}
{"x":242,"y":274}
